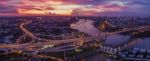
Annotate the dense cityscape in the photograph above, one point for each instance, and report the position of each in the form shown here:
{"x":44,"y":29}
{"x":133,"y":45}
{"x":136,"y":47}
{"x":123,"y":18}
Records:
{"x":74,"y":38}
{"x":74,"y":30}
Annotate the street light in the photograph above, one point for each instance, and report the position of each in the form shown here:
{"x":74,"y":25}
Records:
{"x":48,"y":46}
{"x":78,"y":50}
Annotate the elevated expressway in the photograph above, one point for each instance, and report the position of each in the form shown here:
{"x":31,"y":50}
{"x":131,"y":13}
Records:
{"x":27,"y":46}
{"x":49,"y":45}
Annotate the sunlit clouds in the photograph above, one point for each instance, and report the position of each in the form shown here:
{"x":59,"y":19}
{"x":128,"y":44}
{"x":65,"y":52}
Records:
{"x":64,"y":7}
{"x":47,"y":7}
{"x":60,"y":8}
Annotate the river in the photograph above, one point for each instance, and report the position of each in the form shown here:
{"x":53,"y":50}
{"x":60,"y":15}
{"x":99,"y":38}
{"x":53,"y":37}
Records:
{"x":115,"y":40}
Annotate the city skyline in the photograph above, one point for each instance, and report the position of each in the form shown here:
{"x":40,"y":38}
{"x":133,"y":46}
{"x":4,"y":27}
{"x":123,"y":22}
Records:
{"x":75,"y":7}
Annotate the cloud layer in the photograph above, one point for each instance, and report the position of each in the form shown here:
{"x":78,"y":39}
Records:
{"x":75,"y":7}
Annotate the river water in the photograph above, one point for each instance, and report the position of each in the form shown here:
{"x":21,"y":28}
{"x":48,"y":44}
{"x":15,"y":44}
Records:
{"x":118,"y":39}
{"x":143,"y":44}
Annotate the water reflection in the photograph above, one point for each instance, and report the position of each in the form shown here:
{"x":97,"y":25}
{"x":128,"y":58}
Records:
{"x":117,"y":39}
{"x":111,"y":40}
{"x":143,"y":44}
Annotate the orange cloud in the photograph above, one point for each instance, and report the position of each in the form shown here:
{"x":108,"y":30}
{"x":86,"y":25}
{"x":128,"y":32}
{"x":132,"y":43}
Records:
{"x":59,"y":7}
{"x":44,"y":12}
{"x":42,"y":7}
{"x":31,"y":11}
{"x":61,"y":12}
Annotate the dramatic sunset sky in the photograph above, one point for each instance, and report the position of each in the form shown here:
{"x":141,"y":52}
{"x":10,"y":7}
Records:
{"x":75,"y":7}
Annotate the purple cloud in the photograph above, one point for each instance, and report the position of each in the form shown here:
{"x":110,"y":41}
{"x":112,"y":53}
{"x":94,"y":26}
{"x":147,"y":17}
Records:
{"x":128,"y":7}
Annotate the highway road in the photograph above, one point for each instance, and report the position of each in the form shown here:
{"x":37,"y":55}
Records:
{"x":55,"y":42}
{"x":40,"y":46}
